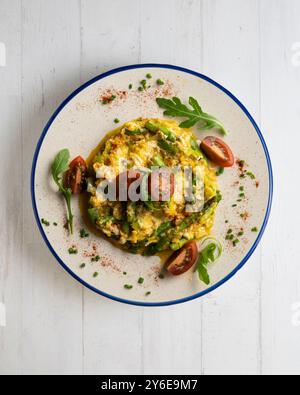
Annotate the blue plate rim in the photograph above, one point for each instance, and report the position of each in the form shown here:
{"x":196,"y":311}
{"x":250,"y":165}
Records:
{"x":162,"y":66}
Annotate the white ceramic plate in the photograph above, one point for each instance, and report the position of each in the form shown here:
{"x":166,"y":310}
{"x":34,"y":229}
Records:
{"x":81,"y":122}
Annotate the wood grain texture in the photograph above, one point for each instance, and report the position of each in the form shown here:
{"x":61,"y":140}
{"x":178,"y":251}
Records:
{"x":51,"y":300}
{"x":281,"y":117}
{"x":232,"y":57}
{"x":53,"y":324}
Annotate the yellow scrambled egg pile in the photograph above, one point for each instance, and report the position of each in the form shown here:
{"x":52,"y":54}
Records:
{"x":150,"y":227}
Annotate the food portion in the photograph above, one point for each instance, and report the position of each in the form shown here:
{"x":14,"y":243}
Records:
{"x":151,"y":186}
{"x":159,"y":221}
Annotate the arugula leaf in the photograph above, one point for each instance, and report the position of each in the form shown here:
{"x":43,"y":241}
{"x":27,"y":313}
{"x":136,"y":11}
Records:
{"x":175,"y":108}
{"x":58,"y":168}
{"x":60,"y":164}
{"x":209,"y":254}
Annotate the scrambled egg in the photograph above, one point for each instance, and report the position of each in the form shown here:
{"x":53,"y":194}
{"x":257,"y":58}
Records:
{"x":146,"y":226}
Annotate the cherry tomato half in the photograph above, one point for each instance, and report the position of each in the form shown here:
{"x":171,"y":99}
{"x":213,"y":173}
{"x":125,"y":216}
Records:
{"x":161,"y":185}
{"x":217,"y":151}
{"x":124,"y":182}
{"x":181,"y":261}
{"x":75,"y":177}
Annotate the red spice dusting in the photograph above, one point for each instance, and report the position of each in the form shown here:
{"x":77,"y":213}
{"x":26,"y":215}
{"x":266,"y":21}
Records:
{"x":110,"y":95}
{"x":245,"y":215}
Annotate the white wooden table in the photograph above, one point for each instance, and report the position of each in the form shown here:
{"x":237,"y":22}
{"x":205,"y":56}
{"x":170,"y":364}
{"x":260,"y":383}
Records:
{"x":249,"y":326}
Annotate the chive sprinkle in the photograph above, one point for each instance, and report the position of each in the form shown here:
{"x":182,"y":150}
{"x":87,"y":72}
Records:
{"x":128,"y":286}
{"x":141,"y":280}
{"x":82,"y":266}
{"x":254,"y":229}
{"x":116,"y":120}
{"x":220,"y":171}
{"x":130,"y":86}
{"x":160,"y":82}
{"x":45,"y":222}
{"x":83,"y":233}
{"x":96,"y":274}
{"x":149,"y":76}
{"x":148,"y":293}
{"x":73,"y":251}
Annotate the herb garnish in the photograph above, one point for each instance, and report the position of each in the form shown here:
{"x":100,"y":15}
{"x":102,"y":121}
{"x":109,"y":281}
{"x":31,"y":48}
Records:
{"x":109,"y":99}
{"x":141,"y":280}
{"x":73,"y":251}
{"x":45,"y":222}
{"x":82,"y":266}
{"x":220,"y":171}
{"x":255,"y":230}
{"x":175,"y":108}
{"x":160,"y":82}
{"x":58,"y":168}
{"x":96,"y":274}
{"x":84,"y":233}
{"x":128,"y":286}
{"x":210,"y":253}
{"x":116,"y":120}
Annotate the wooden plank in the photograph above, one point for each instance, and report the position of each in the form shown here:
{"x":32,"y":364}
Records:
{"x":110,"y":38}
{"x":231,"y":320}
{"x":10,"y":208}
{"x":51,"y":300}
{"x":281,"y":116}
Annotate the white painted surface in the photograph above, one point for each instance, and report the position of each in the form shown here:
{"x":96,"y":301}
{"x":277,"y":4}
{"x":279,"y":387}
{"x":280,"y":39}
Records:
{"x":251,"y":324}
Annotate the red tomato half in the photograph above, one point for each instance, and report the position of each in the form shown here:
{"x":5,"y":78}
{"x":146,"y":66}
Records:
{"x":161,"y":185}
{"x":75,"y":177}
{"x":182,"y":261}
{"x":124,"y":182}
{"x":217,"y":151}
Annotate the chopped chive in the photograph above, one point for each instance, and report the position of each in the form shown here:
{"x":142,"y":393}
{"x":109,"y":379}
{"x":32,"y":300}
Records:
{"x":55,"y":224}
{"x":96,"y":258}
{"x":143,"y":85}
{"x":240,"y":234}
{"x":125,"y":273}
{"x":254,"y":229}
{"x":242,"y":195}
{"x":128,"y":286}
{"x":235,"y":242}
{"x":83,"y":233}
{"x":226,"y":222}
{"x":73,"y":251}
{"x":141,"y":280}
{"x":82,"y":266}
{"x":251,"y":175}
{"x":130,"y":86}
{"x":229,"y":231}
{"x":148,"y":293}
{"x":160,"y":82}
{"x":140,"y":89}
{"x":220,"y":171}
{"x":96,"y":274}
{"x":234,"y":205}
{"x":45,"y":222}
{"x":161,"y":276}
{"x":149,"y":76}
{"x":116,"y":120}
{"x":242,"y":189}
{"x":108,"y":100}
